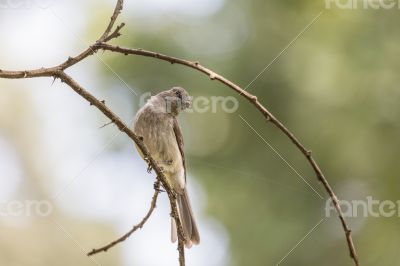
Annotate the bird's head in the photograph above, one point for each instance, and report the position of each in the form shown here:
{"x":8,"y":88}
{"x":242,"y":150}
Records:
{"x":176,"y":100}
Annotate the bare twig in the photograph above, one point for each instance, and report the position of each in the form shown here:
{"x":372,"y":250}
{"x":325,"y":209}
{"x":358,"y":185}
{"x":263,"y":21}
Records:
{"x":117,"y":10}
{"x":116,"y":33}
{"x":136,"y":227}
{"x":58,"y":72}
{"x":139,"y":142}
{"x":48,"y":72}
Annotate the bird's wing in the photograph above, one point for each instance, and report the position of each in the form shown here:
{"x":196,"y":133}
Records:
{"x":179,"y":140}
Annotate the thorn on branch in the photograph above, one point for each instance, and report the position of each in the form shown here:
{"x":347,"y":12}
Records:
{"x":107,"y":124}
{"x":309,"y":153}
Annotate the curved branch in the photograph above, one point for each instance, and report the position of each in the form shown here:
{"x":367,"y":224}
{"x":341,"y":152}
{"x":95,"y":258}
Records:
{"x":265,"y":112}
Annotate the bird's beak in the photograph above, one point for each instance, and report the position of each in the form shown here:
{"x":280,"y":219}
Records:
{"x":188,"y":102}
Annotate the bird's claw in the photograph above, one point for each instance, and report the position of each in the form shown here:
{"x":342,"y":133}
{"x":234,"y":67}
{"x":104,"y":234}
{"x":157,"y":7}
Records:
{"x":149,"y":168}
{"x":157,"y":187}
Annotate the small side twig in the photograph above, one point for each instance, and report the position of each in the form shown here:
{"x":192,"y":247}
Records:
{"x":136,"y":227}
{"x":116,"y":33}
{"x":117,"y":10}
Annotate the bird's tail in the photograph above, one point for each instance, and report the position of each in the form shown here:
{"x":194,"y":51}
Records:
{"x":188,"y":221}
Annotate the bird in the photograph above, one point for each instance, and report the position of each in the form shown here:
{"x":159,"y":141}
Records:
{"x":157,"y":125}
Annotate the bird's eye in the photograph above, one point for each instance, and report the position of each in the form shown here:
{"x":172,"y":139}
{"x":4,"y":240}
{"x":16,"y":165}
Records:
{"x":178,"y":94}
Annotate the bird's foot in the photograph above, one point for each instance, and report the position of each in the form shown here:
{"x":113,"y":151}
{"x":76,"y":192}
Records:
{"x":160,"y":190}
{"x":157,"y":187}
{"x":161,"y":169}
{"x":149,"y":168}
{"x":174,"y":194}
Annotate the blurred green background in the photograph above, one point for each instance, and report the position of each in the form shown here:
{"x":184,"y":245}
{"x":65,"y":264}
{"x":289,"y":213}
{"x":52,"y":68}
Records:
{"x":335,"y":87}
